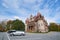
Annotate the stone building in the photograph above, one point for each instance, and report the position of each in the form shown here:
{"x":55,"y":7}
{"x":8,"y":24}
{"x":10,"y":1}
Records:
{"x":36,"y":24}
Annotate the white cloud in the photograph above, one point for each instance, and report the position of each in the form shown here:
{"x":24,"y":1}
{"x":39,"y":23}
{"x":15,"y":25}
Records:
{"x":30,"y":4}
{"x":57,"y":16}
{"x":32,"y":1}
{"x":5,"y":5}
{"x":14,"y":4}
{"x":29,"y":1}
{"x":11,"y":3}
{"x":21,"y":11}
{"x":49,"y":20}
{"x":20,"y":18}
{"x":16,"y":17}
{"x":53,"y":19}
{"x":3,"y":18}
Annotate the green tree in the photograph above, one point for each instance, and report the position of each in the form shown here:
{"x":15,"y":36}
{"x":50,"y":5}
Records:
{"x":18,"y":25}
{"x":59,"y":27}
{"x":2,"y":28}
{"x":53,"y":27}
{"x":8,"y":26}
{"x":15,"y":24}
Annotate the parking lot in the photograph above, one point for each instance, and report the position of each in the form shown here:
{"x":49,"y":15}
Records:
{"x":32,"y":36}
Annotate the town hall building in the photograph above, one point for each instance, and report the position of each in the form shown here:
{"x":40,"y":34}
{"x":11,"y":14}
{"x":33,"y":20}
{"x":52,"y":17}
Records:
{"x":36,"y":24}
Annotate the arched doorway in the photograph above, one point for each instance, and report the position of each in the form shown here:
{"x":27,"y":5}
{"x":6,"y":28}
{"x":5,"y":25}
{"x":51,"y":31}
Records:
{"x":31,"y":27}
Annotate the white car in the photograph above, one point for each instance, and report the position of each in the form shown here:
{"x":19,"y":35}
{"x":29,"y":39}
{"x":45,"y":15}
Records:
{"x":14,"y":33}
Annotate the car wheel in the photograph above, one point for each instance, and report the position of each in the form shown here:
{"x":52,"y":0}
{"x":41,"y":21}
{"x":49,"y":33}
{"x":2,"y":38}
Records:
{"x":23,"y":34}
{"x":12,"y":35}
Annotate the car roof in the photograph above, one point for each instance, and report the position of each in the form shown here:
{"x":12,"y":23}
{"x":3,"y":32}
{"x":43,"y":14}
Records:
{"x":12,"y":30}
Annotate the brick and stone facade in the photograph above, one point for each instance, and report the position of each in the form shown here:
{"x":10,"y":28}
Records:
{"x":36,"y":24}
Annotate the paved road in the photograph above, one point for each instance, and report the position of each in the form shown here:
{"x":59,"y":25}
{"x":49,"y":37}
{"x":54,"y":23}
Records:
{"x":34,"y":36}
{"x":38,"y":36}
{"x":3,"y":36}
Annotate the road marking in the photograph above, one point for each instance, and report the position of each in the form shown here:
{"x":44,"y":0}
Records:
{"x":8,"y":36}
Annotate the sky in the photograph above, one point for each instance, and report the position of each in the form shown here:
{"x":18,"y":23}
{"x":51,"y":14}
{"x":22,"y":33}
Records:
{"x":22,"y":9}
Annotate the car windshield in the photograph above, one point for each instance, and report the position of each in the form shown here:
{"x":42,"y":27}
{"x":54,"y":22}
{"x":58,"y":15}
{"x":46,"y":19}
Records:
{"x":13,"y":31}
{"x":10,"y":31}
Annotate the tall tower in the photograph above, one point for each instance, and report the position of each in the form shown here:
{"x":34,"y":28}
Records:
{"x":31,"y":18}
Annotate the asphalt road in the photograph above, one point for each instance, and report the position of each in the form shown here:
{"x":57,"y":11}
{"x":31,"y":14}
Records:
{"x":32,"y":36}
{"x":3,"y":36}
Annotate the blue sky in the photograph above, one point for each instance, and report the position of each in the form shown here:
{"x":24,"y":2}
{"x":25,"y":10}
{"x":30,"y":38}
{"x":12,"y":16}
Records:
{"x":21,"y":9}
